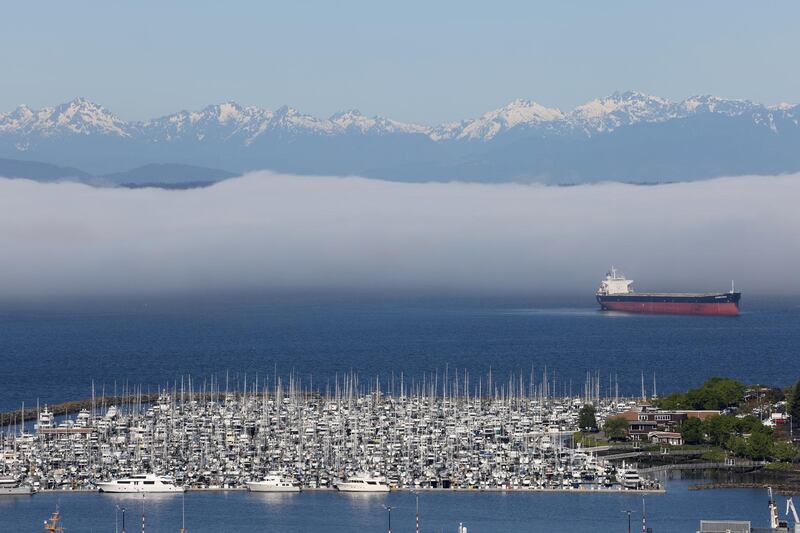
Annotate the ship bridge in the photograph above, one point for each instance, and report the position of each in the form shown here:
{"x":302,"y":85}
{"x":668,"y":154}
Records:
{"x":614,"y":283}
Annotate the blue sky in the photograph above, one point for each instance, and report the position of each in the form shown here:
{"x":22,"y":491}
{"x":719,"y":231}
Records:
{"x":413,"y":61}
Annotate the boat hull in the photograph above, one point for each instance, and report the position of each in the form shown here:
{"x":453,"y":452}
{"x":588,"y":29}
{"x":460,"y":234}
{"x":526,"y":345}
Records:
{"x":260,"y":487}
{"x":723,"y":304}
{"x":16,"y":491}
{"x":117,"y":489}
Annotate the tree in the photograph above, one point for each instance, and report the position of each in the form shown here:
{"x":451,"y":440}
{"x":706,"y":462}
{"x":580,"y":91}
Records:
{"x":715,"y":393}
{"x":785,"y":451}
{"x":692,"y":431}
{"x":759,"y":446}
{"x":719,"y":428}
{"x":586,"y":418}
{"x":794,"y":408}
{"x":616,"y":428}
{"x":751,"y":424}
{"x":737,"y":445}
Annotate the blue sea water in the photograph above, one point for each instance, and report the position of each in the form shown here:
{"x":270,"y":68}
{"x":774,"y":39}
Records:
{"x":55,"y":351}
{"x":679,"y":510}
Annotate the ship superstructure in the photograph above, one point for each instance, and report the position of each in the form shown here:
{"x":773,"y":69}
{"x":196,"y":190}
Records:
{"x":616,"y":294}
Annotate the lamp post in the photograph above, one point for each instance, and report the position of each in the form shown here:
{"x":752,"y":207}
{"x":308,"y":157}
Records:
{"x":628,"y":511}
{"x":416,"y":496}
{"x":389,"y":511}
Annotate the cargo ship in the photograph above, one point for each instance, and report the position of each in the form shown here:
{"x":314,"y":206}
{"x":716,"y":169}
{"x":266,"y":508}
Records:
{"x":616,"y":294}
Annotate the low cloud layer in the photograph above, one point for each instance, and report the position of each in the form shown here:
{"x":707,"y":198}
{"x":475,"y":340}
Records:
{"x":269,"y":231}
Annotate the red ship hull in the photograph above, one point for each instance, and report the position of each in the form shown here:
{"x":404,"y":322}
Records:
{"x":674,"y":308}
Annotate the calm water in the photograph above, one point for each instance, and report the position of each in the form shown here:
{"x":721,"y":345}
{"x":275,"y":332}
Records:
{"x":680,"y":510}
{"x":52,"y":353}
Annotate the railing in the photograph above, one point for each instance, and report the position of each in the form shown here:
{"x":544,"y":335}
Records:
{"x":662,"y":453}
{"x":716,"y":465}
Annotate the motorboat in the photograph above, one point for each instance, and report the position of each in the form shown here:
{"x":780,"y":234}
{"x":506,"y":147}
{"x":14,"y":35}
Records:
{"x":141,"y":483}
{"x":11,"y":487}
{"x":363,"y":483}
{"x":629,"y":478}
{"x":273,"y":483}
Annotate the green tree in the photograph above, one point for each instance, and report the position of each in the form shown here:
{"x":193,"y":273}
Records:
{"x":737,"y":445}
{"x":794,"y":408}
{"x":759,"y":446}
{"x":586,"y":418}
{"x":616,"y":428}
{"x":785,"y":451}
{"x":677,"y":400}
{"x":719,"y":428}
{"x":751,"y":424}
{"x":716,"y":393}
{"x":692,"y":431}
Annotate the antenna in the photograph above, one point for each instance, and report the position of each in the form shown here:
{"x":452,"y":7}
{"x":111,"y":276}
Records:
{"x":183,"y":512}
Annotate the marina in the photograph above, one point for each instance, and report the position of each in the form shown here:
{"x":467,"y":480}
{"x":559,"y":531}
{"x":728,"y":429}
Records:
{"x":447,"y":435}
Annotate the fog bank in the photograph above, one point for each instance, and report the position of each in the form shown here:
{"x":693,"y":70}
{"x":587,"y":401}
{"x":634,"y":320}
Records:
{"x":268,"y":231}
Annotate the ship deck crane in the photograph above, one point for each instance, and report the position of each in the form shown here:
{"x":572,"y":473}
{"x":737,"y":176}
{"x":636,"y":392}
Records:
{"x":790,"y":507}
{"x":773,"y":511}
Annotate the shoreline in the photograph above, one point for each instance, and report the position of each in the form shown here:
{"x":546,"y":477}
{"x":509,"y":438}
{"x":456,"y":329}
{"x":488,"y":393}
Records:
{"x":790,"y":489}
{"x":333,"y":490}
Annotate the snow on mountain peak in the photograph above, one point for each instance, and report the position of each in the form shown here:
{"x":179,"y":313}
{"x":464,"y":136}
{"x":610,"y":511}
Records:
{"x":519,"y":112}
{"x":231,"y":122}
{"x":354,"y":121}
{"x":347,"y":113}
{"x":229,"y":111}
{"x":79,"y":116}
{"x":782,"y":106}
{"x":621,"y":109}
{"x":713,"y":104}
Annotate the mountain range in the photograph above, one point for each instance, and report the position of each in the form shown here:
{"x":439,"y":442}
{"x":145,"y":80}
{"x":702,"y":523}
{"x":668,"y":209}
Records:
{"x":628,"y":136}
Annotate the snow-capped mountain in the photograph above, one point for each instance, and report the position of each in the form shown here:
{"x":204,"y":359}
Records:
{"x":521,"y":140}
{"x":79,"y":116}
{"x":621,"y":109}
{"x":519,"y":113}
{"x":352,"y":121}
{"x":231,"y":122}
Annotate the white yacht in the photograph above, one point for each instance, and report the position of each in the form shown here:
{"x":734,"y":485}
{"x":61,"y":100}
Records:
{"x":363,"y":483}
{"x":10,"y":486}
{"x":629,"y":478}
{"x":273,"y":483}
{"x":141,"y":483}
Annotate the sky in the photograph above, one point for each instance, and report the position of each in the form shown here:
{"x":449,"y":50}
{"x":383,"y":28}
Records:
{"x":276,"y":232}
{"x":416,"y":61}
